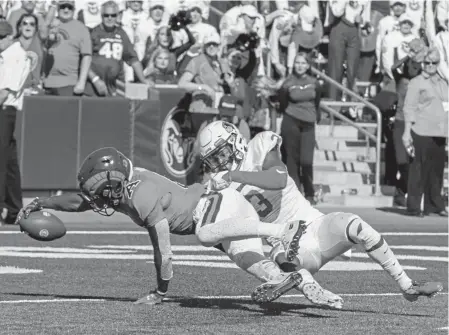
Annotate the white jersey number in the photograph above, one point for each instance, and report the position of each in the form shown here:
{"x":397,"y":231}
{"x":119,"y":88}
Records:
{"x":111,"y":50}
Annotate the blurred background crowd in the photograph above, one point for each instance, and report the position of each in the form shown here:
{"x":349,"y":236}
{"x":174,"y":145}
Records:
{"x":258,"y":55}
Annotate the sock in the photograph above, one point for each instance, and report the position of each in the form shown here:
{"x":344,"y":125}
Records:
{"x":258,"y":266}
{"x":360,"y":232}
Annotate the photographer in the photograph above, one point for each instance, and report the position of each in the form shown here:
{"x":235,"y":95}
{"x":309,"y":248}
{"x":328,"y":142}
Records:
{"x":164,"y":40}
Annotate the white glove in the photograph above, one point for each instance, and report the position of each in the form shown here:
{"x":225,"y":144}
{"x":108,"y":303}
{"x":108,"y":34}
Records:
{"x":220,"y":181}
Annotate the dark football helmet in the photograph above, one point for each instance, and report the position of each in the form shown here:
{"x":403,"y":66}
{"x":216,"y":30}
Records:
{"x":102,"y":179}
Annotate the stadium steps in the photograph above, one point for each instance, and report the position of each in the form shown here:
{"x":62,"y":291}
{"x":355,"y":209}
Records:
{"x":344,"y":167}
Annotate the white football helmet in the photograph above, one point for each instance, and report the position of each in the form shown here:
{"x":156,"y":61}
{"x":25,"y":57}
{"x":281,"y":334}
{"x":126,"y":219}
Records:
{"x":221,"y":144}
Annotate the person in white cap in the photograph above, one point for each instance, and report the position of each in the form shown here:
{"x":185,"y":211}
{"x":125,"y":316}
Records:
{"x":203,"y":76}
{"x":395,"y":46}
{"x":388,"y":24}
{"x":157,"y":19}
{"x":200,"y":30}
{"x":239,"y":20}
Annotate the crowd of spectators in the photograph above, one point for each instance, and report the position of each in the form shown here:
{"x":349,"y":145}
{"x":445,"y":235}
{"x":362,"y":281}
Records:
{"x":252,"y":51}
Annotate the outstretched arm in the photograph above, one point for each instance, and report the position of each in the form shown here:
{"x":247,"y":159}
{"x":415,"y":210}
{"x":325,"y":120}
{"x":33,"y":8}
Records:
{"x":64,"y":203}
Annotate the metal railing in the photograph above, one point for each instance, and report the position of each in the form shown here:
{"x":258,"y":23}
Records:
{"x":377,"y":138}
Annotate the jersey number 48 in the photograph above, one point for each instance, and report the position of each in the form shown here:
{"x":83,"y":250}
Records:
{"x":111,"y":50}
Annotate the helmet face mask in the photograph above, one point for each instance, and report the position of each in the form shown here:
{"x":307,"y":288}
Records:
{"x":102,"y":179}
{"x":221,"y":159}
{"x":222,"y":147}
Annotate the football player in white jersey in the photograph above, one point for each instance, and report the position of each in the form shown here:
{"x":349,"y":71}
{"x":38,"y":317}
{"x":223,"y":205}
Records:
{"x":258,"y":173}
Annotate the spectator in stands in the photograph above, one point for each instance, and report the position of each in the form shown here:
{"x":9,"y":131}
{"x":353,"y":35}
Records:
{"x":200,"y":30}
{"x":239,"y":20}
{"x":203,"y":76}
{"x":299,"y":97}
{"x":27,"y":35}
{"x":238,"y":75}
{"x":69,"y":55}
{"x":387,"y":25}
{"x":14,"y":69}
{"x":134,"y":22}
{"x":164,"y":40}
{"x":157,"y":19}
{"x":305,"y":36}
{"x":90,"y":14}
{"x":403,"y":71}
{"x":395,"y":46}
{"x":111,"y":47}
{"x":426,"y":130}
{"x":28,"y":8}
{"x":161,"y":72}
{"x":439,"y":40}
{"x":344,"y":19}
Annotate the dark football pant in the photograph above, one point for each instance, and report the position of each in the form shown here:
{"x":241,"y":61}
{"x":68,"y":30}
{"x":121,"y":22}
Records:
{"x":10,"y":183}
{"x":426,"y":174}
{"x":344,"y":44}
{"x":298,"y":147}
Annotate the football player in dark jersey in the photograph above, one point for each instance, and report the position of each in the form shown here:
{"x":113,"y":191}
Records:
{"x":111,"y":47}
{"x":108,"y":182}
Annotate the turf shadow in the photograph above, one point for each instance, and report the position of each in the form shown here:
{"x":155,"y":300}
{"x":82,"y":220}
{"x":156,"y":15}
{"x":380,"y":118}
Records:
{"x":273,"y":308}
{"x":393,"y":210}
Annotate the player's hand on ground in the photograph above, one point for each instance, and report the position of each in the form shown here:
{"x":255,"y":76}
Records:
{"x":220,"y":181}
{"x":33,"y":206}
{"x":154,"y":298}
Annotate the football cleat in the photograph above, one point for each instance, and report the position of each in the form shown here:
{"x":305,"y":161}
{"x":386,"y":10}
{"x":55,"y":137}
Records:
{"x":290,"y":238}
{"x":273,"y":289}
{"x":429,"y":289}
{"x":151,"y":299}
{"x":316,"y":294}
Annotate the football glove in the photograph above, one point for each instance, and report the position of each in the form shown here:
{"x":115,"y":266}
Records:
{"x":220,"y":181}
{"x":33,"y":206}
{"x":154,"y":298}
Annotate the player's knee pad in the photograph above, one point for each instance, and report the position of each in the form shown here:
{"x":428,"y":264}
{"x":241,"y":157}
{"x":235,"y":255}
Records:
{"x":360,"y":232}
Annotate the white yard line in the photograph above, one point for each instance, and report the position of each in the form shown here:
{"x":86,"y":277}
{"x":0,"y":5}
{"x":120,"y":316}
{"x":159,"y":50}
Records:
{"x":202,"y":297}
{"x":137,"y":232}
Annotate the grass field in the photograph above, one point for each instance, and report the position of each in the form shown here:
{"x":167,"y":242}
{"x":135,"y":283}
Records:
{"x":85,"y":283}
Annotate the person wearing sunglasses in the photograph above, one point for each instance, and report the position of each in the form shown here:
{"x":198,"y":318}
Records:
{"x":15,"y":67}
{"x":27,"y":34}
{"x":28,"y":7}
{"x":425,"y":134}
{"x":69,"y":54}
{"x":111,"y":47}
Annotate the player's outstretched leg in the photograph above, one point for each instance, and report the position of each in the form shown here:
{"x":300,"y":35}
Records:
{"x":239,"y":229}
{"x":360,"y":232}
{"x":303,"y":281}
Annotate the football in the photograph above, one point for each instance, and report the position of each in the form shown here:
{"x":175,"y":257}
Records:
{"x":43,"y":226}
